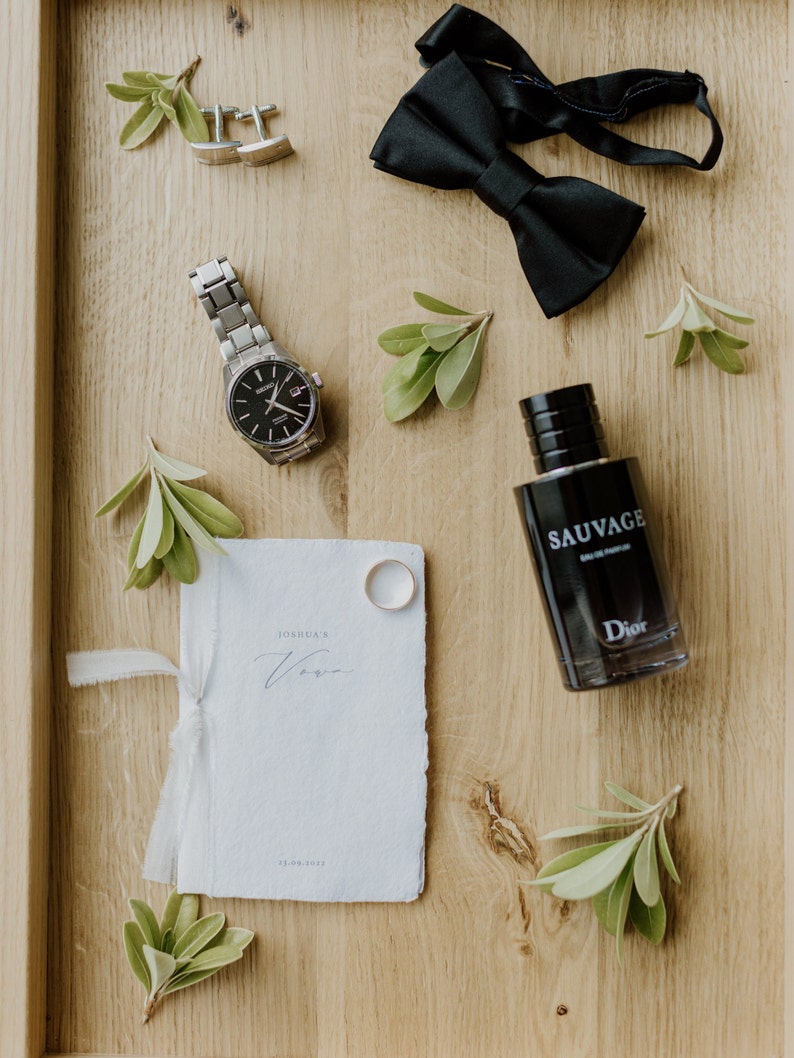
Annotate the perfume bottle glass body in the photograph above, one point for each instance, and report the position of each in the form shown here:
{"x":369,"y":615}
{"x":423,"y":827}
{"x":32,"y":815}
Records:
{"x":601,"y":574}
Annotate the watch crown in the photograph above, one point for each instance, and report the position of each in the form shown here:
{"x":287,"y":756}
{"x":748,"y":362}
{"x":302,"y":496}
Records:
{"x":317,"y":380}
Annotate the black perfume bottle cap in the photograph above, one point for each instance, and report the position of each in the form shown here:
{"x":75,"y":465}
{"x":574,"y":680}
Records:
{"x":564,"y":428}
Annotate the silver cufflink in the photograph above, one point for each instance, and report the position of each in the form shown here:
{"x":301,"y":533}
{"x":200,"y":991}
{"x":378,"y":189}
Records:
{"x":217,"y":151}
{"x":267,"y":148}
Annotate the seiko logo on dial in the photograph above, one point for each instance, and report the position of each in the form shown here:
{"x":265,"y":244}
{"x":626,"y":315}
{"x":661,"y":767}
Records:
{"x":263,"y":389}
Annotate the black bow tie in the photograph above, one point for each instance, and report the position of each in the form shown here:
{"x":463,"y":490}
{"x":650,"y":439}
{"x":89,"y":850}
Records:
{"x":532,"y":106}
{"x":570,"y":233}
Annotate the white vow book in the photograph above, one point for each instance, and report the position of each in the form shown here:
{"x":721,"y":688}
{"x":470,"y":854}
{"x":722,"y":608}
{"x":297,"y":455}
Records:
{"x":307,"y":775}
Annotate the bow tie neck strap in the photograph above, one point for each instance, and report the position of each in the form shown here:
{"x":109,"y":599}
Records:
{"x":473,"y":36}
{"x":533,"y":107}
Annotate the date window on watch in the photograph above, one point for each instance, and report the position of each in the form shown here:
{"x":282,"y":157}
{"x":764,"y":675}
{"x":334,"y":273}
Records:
{"x":295,"y":391}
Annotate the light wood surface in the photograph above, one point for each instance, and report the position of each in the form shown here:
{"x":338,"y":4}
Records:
{"x":329,"y":251}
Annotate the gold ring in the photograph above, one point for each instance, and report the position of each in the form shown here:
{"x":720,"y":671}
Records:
{"x":390,"y":584}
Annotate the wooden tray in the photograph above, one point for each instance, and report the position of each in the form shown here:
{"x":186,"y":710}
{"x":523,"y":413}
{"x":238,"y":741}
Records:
{"x":103,"y":343}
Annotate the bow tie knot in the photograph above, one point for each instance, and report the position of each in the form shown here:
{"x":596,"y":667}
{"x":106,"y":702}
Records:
{"x":506,"y":182}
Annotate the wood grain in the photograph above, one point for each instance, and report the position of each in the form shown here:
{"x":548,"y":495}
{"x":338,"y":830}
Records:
{"x":329,"y":250}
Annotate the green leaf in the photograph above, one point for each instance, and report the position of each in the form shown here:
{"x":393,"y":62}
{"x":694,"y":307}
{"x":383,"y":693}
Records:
{"x":730,"y":339}
{"x":167,"y":535}
{"x":442,"y":336}
{"x":165,"y":100}
{"x":434,"y":305}
{"x":188,"y":979}
{"x":167,"y":941}
{"x":405,"y":368}
{"x":724,"y":356}
{"x":187,"y":914}
{"x":133,"y":577}
{"x":149,"y":574}
{"x":193,"y":529}
{"x":191,"y":122}
{"x":152,"y":526}
{"x":584,"y":828}
{"x":674,"y":318}
{"x":595,"y":874}
{"x":180,"y":561}
{"x":214,"y":958}
{"x":402,"y":401}
{"x":631,"y":816}
{"x":199,"y":935}
{"x":623,"y":910}
{"x":119,"y":497}
{"x":141,"y":125}
{"x":650,"y":922}
{"x":685,"y":347}
{"x":135,"y":540}
{"x":128,"y":93}
{"x":626,"y":797}
{"x":133,"y":946}
{"x":664,"y":852}
{"x":240,"y":938}
{"x":137,"y":79}
{"x":163,"y":80}
{"x":566,"y":861}
{"x":161,"y":967}
{"x":670,"y":810}
{"x":211,"y":513}
{"x":171,"y":911}
{"x":175,"y":469}
{"x":403,"y":339}
{"x":607,"y":904}
{"x":695,"y":319}
{"x":144,"y":916}
{"x":459,"y":371}
{"x":720,"y":306}
{"x":646,"y":869}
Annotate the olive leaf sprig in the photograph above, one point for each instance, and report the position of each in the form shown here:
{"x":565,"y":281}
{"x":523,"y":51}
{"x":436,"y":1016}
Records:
{"x":441,"y":355}
{"x":181,"y":949}
{"x":721,"y":347}
{"x":177,"y":516}
{"x":159,"y":95}
{"x":620,"y":876}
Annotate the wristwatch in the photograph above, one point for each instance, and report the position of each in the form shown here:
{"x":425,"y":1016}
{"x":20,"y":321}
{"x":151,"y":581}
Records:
{"x":272,"y":402}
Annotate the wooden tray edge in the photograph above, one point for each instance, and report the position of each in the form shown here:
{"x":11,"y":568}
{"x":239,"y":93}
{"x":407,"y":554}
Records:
{"x":28,"y":183}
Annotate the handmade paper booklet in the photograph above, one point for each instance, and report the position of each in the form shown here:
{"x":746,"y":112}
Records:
{"x":305,"y":770}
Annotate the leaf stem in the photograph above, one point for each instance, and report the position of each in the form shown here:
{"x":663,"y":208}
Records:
{"x":148,"y":1010}
{"x":187,"y":74}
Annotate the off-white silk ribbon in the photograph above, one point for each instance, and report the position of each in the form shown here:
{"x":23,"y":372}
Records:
{"x":165,"y":837}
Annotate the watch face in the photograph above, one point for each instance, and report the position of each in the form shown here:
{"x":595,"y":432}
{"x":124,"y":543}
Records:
{"x":272,"y":403}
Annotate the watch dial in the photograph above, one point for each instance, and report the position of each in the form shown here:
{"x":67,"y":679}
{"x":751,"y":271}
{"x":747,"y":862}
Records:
{"x":271,"y":403}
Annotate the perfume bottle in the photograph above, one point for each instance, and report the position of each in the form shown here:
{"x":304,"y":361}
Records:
{"x":601,"y":574}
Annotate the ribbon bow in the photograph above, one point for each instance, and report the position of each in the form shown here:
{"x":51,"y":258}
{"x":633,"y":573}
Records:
{"x":570,"y":233}
{"x":532,"y":106}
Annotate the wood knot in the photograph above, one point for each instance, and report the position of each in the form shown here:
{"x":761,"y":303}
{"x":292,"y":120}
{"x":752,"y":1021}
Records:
{"x":562,"y":1010}
{"x":504,"y":834}
{"x":237,"y":20}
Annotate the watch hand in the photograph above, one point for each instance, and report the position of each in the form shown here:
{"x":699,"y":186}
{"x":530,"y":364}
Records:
{"x":272,"y":401}
{"x":282,"y":407}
